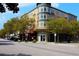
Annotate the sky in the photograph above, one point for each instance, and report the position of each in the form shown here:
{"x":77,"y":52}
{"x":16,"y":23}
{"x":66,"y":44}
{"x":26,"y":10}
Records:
{"x":72,"y":8}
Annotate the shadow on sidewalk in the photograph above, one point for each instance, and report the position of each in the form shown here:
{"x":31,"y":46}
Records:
{"x":3,"y":43}
{"x":20,"y":54}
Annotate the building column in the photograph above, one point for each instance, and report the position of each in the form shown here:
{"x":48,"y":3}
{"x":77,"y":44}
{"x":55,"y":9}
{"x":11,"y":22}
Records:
{"x":38,"y":37}
{"x":46,"y":37}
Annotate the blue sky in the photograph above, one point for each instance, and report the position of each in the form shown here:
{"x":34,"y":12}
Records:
{"x":72,"y":8}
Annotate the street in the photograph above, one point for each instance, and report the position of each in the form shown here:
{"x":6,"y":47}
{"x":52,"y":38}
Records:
{"x":10,"y":48}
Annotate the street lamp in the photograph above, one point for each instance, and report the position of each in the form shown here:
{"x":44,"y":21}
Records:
{"x":55,"y":37}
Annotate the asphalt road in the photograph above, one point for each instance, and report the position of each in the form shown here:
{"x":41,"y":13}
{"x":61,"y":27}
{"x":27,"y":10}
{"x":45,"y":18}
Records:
{"x":10,"y":48}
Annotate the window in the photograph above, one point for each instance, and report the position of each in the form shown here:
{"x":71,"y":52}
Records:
{"x":42,"y":24}
{"x":44,"y":8}
{"x":48,"y":9}
{"x":51,"y":11}
{"x":42,"y":16}
{"x":41,"y":9}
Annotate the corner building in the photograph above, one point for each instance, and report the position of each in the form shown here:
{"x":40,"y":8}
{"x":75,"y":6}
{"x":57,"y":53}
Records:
{"x":41,"y":14}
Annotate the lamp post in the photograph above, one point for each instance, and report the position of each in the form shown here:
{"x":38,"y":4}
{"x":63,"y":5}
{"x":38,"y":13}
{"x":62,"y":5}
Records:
{"x":55,"y":37}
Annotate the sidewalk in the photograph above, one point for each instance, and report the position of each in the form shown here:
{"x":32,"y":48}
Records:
{"x":74,"y":45}
{"x":51,"y":44}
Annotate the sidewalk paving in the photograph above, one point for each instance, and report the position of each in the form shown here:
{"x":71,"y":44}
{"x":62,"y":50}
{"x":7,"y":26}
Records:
{"x":73,"y":45}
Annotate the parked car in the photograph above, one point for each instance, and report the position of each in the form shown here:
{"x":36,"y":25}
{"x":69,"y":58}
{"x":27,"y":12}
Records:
{"x":13,"y":37}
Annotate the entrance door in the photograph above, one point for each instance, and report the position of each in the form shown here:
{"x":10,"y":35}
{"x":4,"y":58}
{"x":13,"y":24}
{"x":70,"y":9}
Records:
{"x":43,"y":37}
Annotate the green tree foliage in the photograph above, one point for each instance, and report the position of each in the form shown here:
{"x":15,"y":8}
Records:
{"x":9,"y":26}
{"x":62,"y":25}
{"x":75,"y":26}
{"x":17,"y":24}
{"x":2,"y":33}
{"x":24,"y":22}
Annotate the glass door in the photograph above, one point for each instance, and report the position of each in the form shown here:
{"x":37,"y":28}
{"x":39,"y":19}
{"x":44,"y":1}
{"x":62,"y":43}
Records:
{"x":43,"y":37}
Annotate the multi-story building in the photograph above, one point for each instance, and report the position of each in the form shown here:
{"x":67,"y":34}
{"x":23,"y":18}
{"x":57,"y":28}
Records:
{"x":41,"y":14}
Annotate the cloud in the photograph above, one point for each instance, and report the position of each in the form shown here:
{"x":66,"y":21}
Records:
{"x":55,"y":4}
{"x":26,"y":4}
{"x":23,"y":4}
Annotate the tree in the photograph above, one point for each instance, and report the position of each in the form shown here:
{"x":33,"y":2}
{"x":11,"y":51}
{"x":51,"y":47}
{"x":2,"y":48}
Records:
{"x":75,"y":26}
{"x":63,"y":27}
{"x":59,"y":25}
{"x":2,"y":33}
{"x":25,"y":22}
{"x":10,"y":6}
{"x":18,"y":24}
{"x":9,"y":26}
